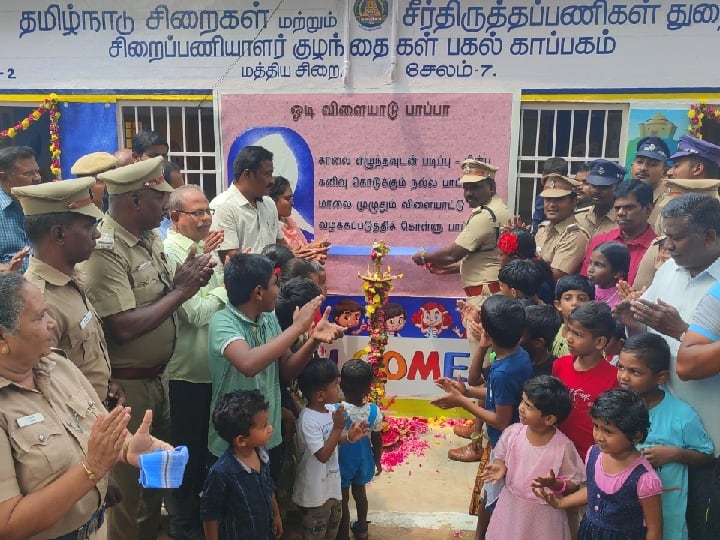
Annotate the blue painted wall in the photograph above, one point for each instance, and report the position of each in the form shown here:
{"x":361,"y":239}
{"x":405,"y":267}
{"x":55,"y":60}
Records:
{"x":85,"y":128}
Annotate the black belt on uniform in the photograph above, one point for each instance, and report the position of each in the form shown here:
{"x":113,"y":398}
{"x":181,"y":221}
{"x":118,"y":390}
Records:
{"x":137,"y":373}
{"x":87,"y":530}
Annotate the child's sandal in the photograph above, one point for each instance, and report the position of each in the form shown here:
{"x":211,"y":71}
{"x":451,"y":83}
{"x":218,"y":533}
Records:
{"x":359,"y":530}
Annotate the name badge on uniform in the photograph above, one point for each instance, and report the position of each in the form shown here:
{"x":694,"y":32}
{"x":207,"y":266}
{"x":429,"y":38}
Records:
{"x":86,"y":319}
{"x":106,"y":240}
{"x":143,"y":265}
{"x":31,"y":419}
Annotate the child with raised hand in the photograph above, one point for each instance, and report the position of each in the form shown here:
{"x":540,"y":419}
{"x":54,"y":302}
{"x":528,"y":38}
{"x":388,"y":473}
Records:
{"x":359,"y":461}
{"x":585,"y":371}
{"x":570,"y":292}
{"x":677,"y":438}
{"x":535,"y":454}
{"x":623,"y":491}
{"x":502,"y":320}
{"x":609,"y":263}
{"x":320,"y":429}
{"x":238,"y":500}
{"x":248,"y":350}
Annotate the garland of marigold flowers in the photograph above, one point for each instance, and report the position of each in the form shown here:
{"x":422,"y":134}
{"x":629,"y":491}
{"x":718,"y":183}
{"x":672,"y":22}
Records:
{"x":698,"y":113}
{"x":376,"y":287}
{"x":48,"y":106}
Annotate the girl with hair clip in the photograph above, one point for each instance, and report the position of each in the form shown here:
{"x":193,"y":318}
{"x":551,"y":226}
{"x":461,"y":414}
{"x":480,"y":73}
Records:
{"x":520,"y":244}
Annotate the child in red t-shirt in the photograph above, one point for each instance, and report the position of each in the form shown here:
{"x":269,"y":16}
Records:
{"x":585,"y":371}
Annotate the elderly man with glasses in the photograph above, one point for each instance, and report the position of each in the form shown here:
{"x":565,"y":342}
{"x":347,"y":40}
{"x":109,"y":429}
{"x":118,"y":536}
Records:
{"x":190,"y":385}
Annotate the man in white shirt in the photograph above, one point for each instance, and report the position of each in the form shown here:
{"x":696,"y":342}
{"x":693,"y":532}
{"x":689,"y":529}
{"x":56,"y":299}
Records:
{"x":692,"y":230}
{"x":244,"y":211}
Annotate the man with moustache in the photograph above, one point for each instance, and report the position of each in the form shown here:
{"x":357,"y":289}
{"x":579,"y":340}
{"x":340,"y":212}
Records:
{"x":190,"y":382}
{"x":561,"y":242}
{"x":633,"y":204}
{"x":136,"y":293}
{"x":650,"y":166}
{"x":603,"y":177}
{"x":476,"y":250}
{"x":61,"y":223}
{"x":244,"y":212}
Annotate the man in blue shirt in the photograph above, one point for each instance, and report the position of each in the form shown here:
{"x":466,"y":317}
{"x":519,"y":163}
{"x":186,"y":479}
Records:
{"x":17,"y":168}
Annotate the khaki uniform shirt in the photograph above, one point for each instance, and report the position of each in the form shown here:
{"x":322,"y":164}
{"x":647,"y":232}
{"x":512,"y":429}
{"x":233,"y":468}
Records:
{"x":587,"y":219}
{"x":660,"y":199}
{"x":78,"y":328}
{"x":45,"y":432}
{"x":479,"y":237}
{"x":646,"y":269}
{"x":124,"y":273}
{"x":563,"y":245}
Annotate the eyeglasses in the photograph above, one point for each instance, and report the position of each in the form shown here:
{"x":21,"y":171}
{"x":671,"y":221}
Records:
{"x":199,"y":213}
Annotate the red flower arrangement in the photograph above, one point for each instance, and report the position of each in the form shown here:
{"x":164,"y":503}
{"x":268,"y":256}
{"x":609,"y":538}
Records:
{"x":698,"y":113}
{"x":508,"y":243}
{"x":48,"y":106}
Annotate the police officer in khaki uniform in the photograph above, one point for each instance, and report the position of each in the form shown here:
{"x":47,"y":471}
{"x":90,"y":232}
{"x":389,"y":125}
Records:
{"x":603,"y":178}
{"x":561,"y":242}
{"x":694,"y":160}
{"x":673,"y":188}
{"x":132,"y":288}
{"x":476,"y":251}
{"x":650,"y":166}
{"x":476,"y":245}
{"x":60,"y":221}
{"x":55,"y":452}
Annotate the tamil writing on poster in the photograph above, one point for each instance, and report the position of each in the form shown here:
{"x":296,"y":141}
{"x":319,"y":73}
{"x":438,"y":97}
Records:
{"x":375,"y":166}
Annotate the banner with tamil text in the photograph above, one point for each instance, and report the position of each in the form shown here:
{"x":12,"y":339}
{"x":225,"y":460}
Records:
{"x":368,"y":167}
{"x":433,"y":45}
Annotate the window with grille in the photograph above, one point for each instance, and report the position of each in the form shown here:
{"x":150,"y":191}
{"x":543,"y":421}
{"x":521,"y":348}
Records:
{"x":190,"y":132}
{"x":575,"y":132}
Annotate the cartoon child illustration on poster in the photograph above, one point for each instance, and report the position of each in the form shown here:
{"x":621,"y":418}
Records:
{"x":395,"y":318}
{"x":347,"y":313}
{"x":432,"y":318}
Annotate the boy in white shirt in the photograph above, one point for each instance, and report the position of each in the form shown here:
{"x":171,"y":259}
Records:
{"x":319,"y":430}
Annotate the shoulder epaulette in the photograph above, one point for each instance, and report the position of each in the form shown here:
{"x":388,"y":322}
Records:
{"x":61,"y":352}
{"x":658,"y":240}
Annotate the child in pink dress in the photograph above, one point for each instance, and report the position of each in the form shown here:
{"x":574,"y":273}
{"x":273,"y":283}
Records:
{"x":535,"y":454}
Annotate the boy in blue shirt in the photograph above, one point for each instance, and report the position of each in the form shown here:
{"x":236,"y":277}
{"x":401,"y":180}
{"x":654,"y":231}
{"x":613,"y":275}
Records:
{"x":503,"y":322}
{"x":677,"y":438}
